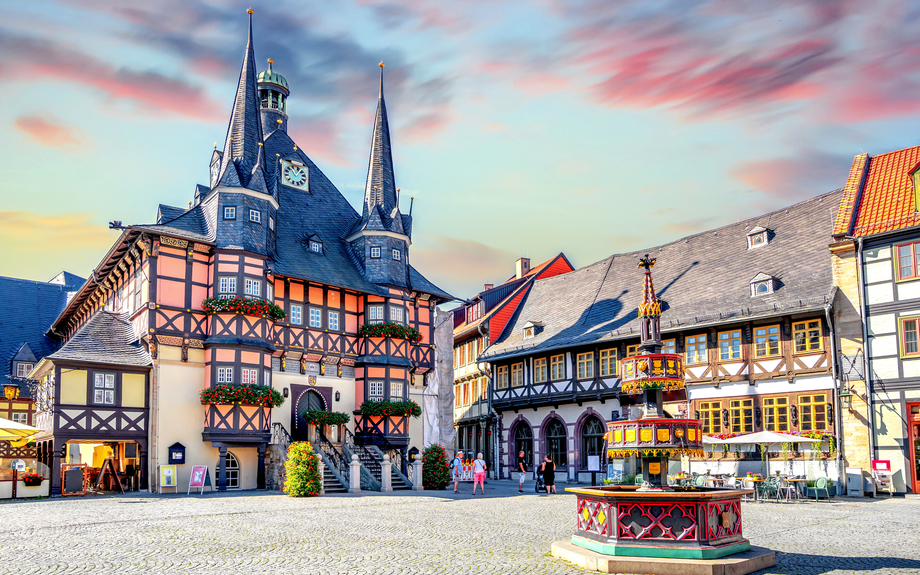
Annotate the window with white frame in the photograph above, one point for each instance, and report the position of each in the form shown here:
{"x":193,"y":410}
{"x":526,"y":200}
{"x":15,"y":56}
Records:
{"x":250,"y":376}
{"x":396,"y":255}
{"x":229,"y":213}
{"x":333,"y":320}
{"x":23,"y":369}
{"x":296,"y":314}
{"x":22,"y":418}
{"x":396,"y":314}
{"x":375,"y":313}
{"x":316,"y":317}
{"x":226,"y":286}
{"x":224,"y":375}
{"x":253,"y":288}
{"x":396,"y":390}
{"x":375,"y":391}
{"x":255,"y":216}
{"x":269,"y":290}
{"x":268,"y":377}
{"x":375,"y":252}
{"x":271,"y":223}
{"x":316,"y":246}
{"x":104,"y":389}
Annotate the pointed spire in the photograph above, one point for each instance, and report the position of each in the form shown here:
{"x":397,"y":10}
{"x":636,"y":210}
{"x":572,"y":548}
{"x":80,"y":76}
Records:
{"x":380,"y":190}
{"x":243,"y":162}
{"x":649,"y":311}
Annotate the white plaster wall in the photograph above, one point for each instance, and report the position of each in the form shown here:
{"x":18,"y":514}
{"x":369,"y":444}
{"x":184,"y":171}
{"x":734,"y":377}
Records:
{"x":878,"y":272}
{"x":762,"y":387}
{"x":877,"y":253}
{"x":879,"y":324}
{"x":882,"y":345}
{"x":890,"y":432}
{"x":909,"y":290}
{"x":884,"y":368}
{"x":881,"y":293}
{"x":911,"y":368}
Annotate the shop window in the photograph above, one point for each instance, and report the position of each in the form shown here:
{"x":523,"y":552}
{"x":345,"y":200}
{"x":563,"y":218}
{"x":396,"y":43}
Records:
{"x":909,"y":261}
{"x":766,"y":341}
{"x":711,"y":416}
{"x":517,"y":375}
{"x":730,"y":345}
{"x":502,"y":377}
{"x":696,"y":349}
{"x":776,"y":414}
{"x":592,"y":439}
{"x":586,"y":365}
{"x":807,"y":335}
{"x":909,"y":345}
{"x":539,"y":370}
{"x":813,"y":412}
{"x":608,"y":362}
{"x":104,"y":389}
{"x":742,"y":415}
{"x":557,"y":367}
{"x":556,"y":442}
{"x":232,"y":465}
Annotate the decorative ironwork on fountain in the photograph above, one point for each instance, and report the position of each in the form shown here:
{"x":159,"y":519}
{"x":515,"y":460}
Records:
{"x":653,"y":438}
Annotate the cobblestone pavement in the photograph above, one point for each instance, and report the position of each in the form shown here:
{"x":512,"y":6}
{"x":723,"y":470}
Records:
{"x":503,"y":532}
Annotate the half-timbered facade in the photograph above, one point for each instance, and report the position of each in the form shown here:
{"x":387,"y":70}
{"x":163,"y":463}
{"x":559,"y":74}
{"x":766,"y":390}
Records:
{"x":879,"y":228}
{"x":477,"y":323}
{"x":268,"y":228}
{"x":749,"y":307}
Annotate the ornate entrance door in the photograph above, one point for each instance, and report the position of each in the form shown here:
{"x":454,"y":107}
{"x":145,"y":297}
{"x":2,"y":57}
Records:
{"x":310,"y":400}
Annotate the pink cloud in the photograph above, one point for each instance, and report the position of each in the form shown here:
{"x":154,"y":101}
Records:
{"x":50,"y":133}
{"x":321,"y":140}
{"x":791,"y":179}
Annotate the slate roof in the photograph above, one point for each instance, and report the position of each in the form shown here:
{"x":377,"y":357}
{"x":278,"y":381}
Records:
{"x":107,"y":338}
{"x":190,"y":224}
{"x":702,"y":280}
{"x":27,"y":309}
{"x":879,"y":194}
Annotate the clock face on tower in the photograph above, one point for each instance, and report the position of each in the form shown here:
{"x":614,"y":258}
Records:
{"x":294,"y":175}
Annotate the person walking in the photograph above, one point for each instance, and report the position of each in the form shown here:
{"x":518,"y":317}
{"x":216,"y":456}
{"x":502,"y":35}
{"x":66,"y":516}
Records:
{"x":479,"y":474}
{"x":456,"y":469}
{"x":522,"y":471}
{"x":549,"y":475}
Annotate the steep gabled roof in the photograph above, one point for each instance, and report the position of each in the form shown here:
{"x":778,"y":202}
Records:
{"x":879,"y":194}
{"x":107,"y":338}
{"x":190,"y":224}
{"x":701,"y":280}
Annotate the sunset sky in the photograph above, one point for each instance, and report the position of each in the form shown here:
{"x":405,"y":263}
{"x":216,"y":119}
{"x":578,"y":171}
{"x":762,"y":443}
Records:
{"x":521,"y":128}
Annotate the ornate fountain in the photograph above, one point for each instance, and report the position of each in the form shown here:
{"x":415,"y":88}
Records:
{"x":695,"y":526}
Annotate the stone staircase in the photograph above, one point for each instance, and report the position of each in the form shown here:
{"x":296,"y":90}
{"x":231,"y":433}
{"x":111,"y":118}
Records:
{"x":331,"y":483}
{"x":398,"y":482}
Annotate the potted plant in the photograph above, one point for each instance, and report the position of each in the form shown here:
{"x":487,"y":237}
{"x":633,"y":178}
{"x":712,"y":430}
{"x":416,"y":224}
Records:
{"x":32,"y":479}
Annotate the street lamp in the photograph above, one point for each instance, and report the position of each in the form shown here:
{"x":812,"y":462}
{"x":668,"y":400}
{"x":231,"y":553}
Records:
{"x":846,"y":399}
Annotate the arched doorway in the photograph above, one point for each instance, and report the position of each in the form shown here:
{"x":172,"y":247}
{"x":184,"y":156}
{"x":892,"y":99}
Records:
{"x":309,"y":400}
{"x":592,"y":439}
{"x":556,"y":443}
{"x":233,"y":471}
{"x":523,"y":441}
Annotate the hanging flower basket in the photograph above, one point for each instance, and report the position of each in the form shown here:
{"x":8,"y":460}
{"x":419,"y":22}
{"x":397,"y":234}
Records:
{"x":253,"y":307}
{"x":391,"y":408}
{"x":320,"y":417}
{"x":390,"y":329}
{"x":247,"y":394}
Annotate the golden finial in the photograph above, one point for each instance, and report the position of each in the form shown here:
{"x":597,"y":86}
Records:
{"x":381,"y":64}
{"x":270,"y":61}
{"x":215,"y":145}
{"x":295,"y":147}
{"x":280,"y":121}
{"x":249,"y":11}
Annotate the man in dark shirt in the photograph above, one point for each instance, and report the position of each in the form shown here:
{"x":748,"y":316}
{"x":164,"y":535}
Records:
{"x":522,"y":471}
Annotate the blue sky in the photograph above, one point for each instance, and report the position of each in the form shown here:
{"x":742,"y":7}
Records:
{"x":521,"y":128}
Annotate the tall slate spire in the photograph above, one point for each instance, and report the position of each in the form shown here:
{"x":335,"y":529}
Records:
{"x":243,"y":160}
{"x":380,"y":190}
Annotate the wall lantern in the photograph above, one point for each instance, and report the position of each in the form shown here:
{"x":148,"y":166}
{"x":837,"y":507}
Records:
{"x":338,"y":396}
{"x":285,"y":392}
{"x":846,"y":399}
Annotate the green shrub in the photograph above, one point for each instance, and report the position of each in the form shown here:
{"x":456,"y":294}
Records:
{"x":320,"y":417}
{"x":435,"y":469}
{"x":302,"y":469}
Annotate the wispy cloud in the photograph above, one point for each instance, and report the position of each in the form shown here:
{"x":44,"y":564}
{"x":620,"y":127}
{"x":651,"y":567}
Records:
{"x":72,"y":238}
{"x":51,"y":132}
{"x":793,"y":178}
{"x":461,"y":266}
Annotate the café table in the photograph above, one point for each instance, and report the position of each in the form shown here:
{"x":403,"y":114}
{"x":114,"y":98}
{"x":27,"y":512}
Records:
{"x":799,"y":486}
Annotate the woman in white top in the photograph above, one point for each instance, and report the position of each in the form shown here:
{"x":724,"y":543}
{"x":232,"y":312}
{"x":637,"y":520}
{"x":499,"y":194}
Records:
{"x":479,"y":474}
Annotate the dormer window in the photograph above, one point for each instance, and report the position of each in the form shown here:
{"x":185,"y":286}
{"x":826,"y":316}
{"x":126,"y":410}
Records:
{"x":316,"y":246}
{"x":758,"y":237}
{"x":762,"y":284}
{"x":532,"y":328}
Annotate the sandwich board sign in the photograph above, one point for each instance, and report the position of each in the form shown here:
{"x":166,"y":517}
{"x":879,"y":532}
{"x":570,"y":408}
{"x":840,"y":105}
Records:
{"x":168,"y":477}
{"x":200,"y":478}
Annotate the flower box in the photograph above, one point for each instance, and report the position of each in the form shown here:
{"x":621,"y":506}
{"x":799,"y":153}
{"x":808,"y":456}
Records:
{"x":40,"y":490}
{"x":252,"y":307}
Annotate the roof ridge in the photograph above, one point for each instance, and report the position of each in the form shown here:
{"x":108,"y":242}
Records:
{"x":871,"y":157}
{"x":39,"y":282}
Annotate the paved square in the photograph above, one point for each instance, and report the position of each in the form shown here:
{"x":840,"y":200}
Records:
{"x":404,"y":532}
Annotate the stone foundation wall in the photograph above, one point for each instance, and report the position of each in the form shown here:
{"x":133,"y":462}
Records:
{"x":274,"y":468}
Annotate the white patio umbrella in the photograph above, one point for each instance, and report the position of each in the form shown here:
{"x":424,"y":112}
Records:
{"x":13,"y":430}
{"x":768,"y":438}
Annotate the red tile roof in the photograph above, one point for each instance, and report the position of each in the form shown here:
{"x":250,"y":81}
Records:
{"x":885,"y":201}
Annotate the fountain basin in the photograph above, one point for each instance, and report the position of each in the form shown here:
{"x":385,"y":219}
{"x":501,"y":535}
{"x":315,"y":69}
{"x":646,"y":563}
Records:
{"x":684,"y":523}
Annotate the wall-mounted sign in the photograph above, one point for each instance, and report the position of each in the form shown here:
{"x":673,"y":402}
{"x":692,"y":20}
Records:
{"x":177,"y":454}
{"x":18,"y":465}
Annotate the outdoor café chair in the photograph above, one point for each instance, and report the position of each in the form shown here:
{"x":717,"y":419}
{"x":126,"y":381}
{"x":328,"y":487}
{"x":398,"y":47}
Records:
{"x":785,"y":490}
{"x":699,"y":481}
{"x":821,"y":486}
{"x":768,"y":488}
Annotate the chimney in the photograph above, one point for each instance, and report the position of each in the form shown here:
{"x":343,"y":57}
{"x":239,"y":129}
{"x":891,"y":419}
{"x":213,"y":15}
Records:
{"x":522,"y":266}
{"x":488,"y":287}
